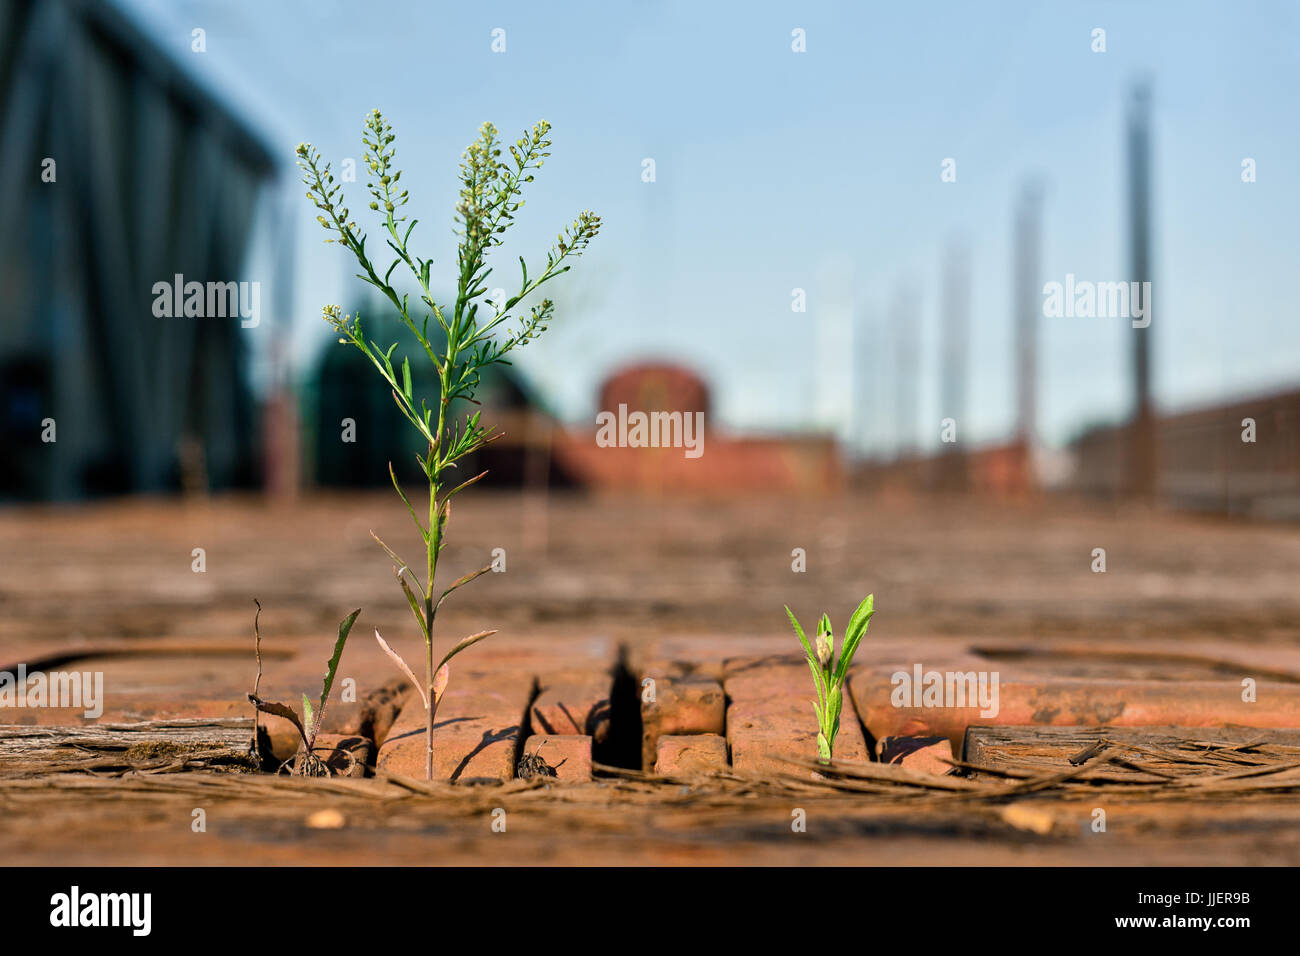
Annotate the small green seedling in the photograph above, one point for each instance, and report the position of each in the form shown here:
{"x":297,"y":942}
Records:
{"x":309,"y":726}
{"x":828,"y":674}
{"x":465,"y":338}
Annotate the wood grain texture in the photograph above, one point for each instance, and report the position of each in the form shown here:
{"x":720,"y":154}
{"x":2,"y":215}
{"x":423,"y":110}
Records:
{"x":215,"y":744}
{"x":1141,"y":754}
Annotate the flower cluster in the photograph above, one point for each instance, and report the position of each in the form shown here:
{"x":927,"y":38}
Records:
{"x":378,"y":139}
{"x":340,"y":323}
{"x":325,"y":194}
{"x":490,"y":189}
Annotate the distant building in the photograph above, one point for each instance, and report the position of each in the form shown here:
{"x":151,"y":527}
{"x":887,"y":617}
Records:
{"x":118,"y":173}
{"x":681,"y":450}
{"x":1238,"y":457}
{"x":655,"y":386}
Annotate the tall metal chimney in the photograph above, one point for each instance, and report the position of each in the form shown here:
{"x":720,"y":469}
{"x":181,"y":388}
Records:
{"x":1028,"y":306}
{"x":907,"y":332}
{"x":954,"y":357}
{"x":1142,"y":464}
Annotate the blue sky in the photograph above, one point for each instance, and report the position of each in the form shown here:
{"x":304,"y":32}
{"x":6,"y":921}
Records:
{"x":820,"y":170}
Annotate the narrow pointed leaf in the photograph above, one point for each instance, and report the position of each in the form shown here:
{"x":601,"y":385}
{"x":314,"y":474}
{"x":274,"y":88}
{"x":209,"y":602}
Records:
{"x":464,"y":643}
{"x":807,"y":648}
{"x":465,"y":484}
{"x":401,"y":565}
{"x":401,"y":664}
{"x":853,"y":636}
{"x":407,"y":501}
{"x":859,"y":618}
{"x":462,"y":581}
{"x":410,"y":599}
{"x":812,"y":658}
{"x":308,"y":723}
{"x":440,"y":680}
{"x":332,"y":665}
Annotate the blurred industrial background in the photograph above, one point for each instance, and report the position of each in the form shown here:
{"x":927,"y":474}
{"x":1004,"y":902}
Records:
{"x":830,"y":231}
{"x":144,"y":141}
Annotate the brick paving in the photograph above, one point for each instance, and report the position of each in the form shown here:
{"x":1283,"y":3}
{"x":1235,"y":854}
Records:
{"x":690,"y":753}
{"x":577,"y":702}
{"x":1206,"y":607}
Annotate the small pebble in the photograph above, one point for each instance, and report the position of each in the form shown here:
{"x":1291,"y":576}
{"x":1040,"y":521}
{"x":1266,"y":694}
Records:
{"x":326,"y":820}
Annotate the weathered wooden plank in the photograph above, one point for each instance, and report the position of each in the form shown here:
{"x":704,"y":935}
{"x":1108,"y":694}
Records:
{"x":1144,"y":754}
{"x":215,"y":744}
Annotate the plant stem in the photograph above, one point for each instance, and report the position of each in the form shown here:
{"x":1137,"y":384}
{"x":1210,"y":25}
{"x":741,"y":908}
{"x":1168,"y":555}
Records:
{"x":434,"y":545}
{"x":428,"y":617}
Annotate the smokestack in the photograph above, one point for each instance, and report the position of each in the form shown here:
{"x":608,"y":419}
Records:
{"x":863,"y":383}
{"x":906,"y":322}
{"x":1142,"y":439}
{"x":954,"y":355}
{"x":1029,"y":306}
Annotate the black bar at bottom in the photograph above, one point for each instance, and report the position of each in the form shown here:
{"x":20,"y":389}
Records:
{"x":917,"y":906}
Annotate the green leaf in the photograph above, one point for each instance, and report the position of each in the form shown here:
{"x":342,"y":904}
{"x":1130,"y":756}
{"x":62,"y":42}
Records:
{"x":853,"y":636}
{"x":465,"y":484}
{"x":407,"y":501}
{"x":332,"y":665}
{"x":859,"y":618}
{"x":406,"y":378}
{"x":818,"y":681}
{"x":464,"y":643}
{"x":307,"y":720}
{"x":807,"y":648}
{"x":410,"y":598}
{"x":390,"y":552}
{"x":812,"y":658}
{"x":823,"y":748}
{"x":459,"y":582}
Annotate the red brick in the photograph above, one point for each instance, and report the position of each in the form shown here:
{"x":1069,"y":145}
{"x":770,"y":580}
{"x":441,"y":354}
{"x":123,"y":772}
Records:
{"x":282,"y":736}
{"x":1066,"y":702}
{"x":682,"y":705}
{"x":770,"y":716}
{"x":700,"y":655}
{"x":925,"y":754}
{"x":569,"y":754}
{"x":477,"y":732}
{"x":342,"y":717}
{"x":691,"y":753}
{"x":572,"y":703}
{"x":380,"y":707}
